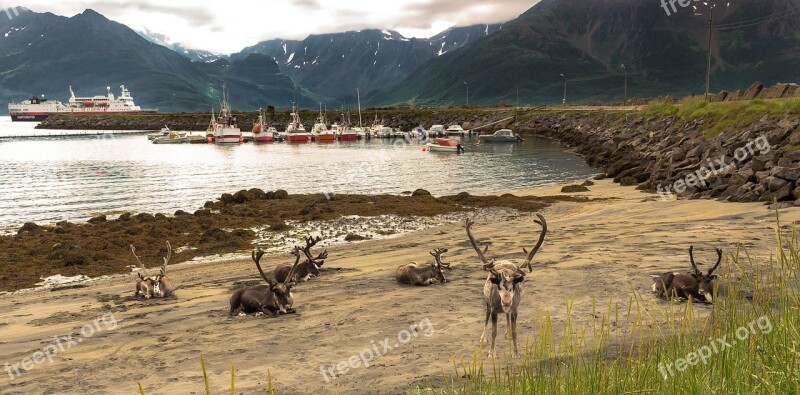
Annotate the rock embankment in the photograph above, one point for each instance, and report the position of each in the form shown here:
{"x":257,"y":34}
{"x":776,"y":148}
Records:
{"x":757,"y":161}
{"x":403,"y":119}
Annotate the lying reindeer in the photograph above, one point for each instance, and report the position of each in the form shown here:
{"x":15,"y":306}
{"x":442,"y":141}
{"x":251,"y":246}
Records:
{"x":502,"y":291}
{"x":688,"y":285}
{"x":309,"y":268}
{"x":413,"y":274}
{"x":271,"y":299}
{"x":158,"y":286}
{"x":144,"y":287}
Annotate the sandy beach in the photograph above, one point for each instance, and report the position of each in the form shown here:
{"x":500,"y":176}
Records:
{"x":602,"y":249}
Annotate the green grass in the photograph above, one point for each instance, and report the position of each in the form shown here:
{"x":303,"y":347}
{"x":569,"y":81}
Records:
{"x":721,"y":116}
{"x":626,"y":350}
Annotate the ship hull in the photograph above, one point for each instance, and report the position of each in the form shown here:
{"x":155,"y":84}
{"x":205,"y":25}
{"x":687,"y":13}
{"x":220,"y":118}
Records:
{"x":41,"y":116}
{"x":297,"y":138}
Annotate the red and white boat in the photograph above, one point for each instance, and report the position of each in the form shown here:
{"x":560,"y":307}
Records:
{"x":224,"y":126}
{"x":295,"y":131}
{"x":444,"y":145}
{"x":261,"y":133}
{"x":348,"y":134}
{"x":320,"y":132}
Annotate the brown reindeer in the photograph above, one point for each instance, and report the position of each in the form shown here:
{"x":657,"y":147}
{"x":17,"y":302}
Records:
{"x":160,"y":285}
{"x":413,"y":274}
{"x":272,"y":299}
{"x":695,"y":285}
{"x":502,"y":291}
{"x":306,"y":270}
{"x":144,"y":287}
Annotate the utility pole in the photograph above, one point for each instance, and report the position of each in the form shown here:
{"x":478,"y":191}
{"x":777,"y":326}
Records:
{"x":710,"y":37}
{"x":465,"y":83}
{"x":564,"y":100}
{"x":625,"y":95}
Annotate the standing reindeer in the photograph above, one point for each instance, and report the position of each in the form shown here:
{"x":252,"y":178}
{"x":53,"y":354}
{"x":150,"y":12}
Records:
{"x":158,"y":286}
{"x":502,"y":291}
{"x":694,"y":285}
{"x":309,"y":268}
{"x":413,"y":274}
{"x":271,"y":299}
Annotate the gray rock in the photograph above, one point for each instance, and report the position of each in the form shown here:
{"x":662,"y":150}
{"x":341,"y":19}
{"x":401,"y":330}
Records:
{"x":773,"y":183}
{"x":786,"y":173}
{"x":785,"y":192}
{"x":759,"y":163}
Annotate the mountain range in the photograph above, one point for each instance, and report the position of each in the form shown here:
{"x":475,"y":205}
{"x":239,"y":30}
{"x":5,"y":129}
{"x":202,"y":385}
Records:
{"x":522,"y":60}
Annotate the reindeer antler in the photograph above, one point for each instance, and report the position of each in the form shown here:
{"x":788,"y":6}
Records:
{"x":437,"y":255}
{"x":310,"y":242}
{"x":541,"y":221}
{"x":691,"y":259}
{"x":716,"y":265}
{"x":486,"y":263}
{"x":141,"y":265}
{"x":256,"y":255}
{"x":166,"y":260}
{"x":296,"y":254}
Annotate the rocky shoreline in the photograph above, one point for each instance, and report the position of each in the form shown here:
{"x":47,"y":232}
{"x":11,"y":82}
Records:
{"x":754,"y":162}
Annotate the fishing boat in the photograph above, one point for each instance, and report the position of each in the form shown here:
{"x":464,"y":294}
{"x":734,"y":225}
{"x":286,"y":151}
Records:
{"x":399,"y":134}
{"x":455,"y":130}
{"x":295,"y":131}
{"x":320,"y":132}
{"x":501,"y":136}
{"x":444,"y":145}
{"x":262,"y":134}
{"x":224,"y":125}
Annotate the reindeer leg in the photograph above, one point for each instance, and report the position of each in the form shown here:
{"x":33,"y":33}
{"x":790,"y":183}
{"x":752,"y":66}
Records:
{"x":514,"y":334}
{"x":492,"y":354}
{"x":508,"y":326}
{"x":485,"y":323}
{"x":268,"y":312}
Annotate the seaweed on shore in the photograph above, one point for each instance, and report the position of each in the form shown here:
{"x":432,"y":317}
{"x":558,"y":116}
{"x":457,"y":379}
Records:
{"x":101,"y":245}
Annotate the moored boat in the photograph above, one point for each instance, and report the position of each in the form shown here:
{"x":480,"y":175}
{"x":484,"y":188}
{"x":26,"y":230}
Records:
{"x":501,"y":136}
{"x":172,"y":138}
{"x":455,"y":130}
{"x":320,"y":132}
{"x":163,"y":132}
{"x":436,"y":131}
{"x":444,"y":145}
{"x":295,"y":131}
{"x":261,"y":133}
{"x":224,"y":126}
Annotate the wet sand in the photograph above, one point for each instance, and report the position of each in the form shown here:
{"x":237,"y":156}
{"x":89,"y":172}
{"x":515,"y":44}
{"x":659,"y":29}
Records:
{"x":604,"y":248}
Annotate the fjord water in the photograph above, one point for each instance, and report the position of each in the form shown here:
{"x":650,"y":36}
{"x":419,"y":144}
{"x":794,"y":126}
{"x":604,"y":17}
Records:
{"x":49,"y":179}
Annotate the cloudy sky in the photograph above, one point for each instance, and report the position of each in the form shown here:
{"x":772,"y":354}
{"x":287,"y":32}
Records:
{"x":229,"y":26}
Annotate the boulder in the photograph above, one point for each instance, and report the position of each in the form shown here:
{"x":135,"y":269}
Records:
{"x":574,"y":188}
{"x":773,"y":183}
{"x":759,"y":163}
{"x":784,"y":193}
{"x":787,"y":173}
{"x":753,"y":91}
{"x":420,"y":192}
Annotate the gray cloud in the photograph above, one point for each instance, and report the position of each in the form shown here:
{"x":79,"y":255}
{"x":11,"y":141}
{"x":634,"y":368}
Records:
{"x":460,"y":13}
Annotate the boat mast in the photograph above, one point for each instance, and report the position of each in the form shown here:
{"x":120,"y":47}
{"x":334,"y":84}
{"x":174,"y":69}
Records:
{"x":358,"y":95}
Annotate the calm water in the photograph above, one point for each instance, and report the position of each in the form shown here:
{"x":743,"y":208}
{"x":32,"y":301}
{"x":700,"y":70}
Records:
{"x":48,"y":179}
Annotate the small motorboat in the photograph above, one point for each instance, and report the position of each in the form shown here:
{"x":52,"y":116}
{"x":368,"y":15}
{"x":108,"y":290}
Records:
{"x":456,"y":130}
{"x":444,"y":145}
{"x":162,"y":133}
{"x":172,"y":138}
{"x":501,"y":136}
{"x":436,"y":131}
